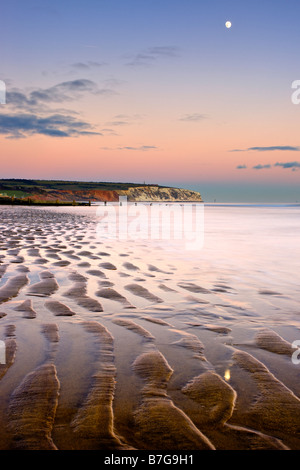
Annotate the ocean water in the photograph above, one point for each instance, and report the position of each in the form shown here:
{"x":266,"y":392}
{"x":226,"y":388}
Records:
{"x":256,"y":249}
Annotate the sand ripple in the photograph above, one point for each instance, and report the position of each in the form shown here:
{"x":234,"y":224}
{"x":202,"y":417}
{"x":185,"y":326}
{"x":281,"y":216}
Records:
{"x":111,"y":294}
{"x":215,"y":397}
{"x":79,"y":294}
{"x":271,"y":341}
{"x":130,"y":325}
{"x":47,"y":286}
{"x":94,"y":421}
{"x":12,"y":287}
{"x":159,"y":423}
{"x":32,"y":409}
{"x":26,"y":308}
{"x":275,"y":407}
{"x":141,"y":291}
{"x":59,"y":309}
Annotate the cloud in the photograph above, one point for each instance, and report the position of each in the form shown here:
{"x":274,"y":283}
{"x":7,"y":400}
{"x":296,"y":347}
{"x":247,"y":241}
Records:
{"x":276,"y":148}
{"x":141,"y":60}
{"x":16,"y":126}
{"x":36,"y":112}
{"x":62,"y":92}
{"x":113,"y":82}
{"x":166,"y":51}
{"x":65,"y":91}
{"x":88,"y":65}
{"x":68,"y":91}
{"x":193,"y":117}
{"x":141,"y":148}
{"x":287,"y":148}
{"x":261,"y":167}
{"x":107,"y":131}
{"x":294,"y":166}
{"x":18,"y":99}
{"x":124,"y":120}
{"x":286,"y":165}
{"x":152,"y":54}
{"x":117,"y":123}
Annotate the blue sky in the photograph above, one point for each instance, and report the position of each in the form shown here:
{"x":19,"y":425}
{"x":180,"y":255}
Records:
{"x":163,"y":78}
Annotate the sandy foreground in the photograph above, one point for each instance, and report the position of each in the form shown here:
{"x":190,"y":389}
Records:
{"x":125,"y":345}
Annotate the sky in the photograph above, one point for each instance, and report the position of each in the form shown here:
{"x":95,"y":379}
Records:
{"x":155,"y":91}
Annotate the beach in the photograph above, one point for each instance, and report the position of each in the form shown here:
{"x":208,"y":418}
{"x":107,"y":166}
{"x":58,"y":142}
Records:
{"x":113,"y":343}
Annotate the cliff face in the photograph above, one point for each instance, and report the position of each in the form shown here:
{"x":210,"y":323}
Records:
{"x":134,"y":194}
{"x":78,"y":196}
{"x":158,"y":194}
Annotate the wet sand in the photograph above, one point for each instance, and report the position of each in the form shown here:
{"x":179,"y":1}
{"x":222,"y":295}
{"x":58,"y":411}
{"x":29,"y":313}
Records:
{"x":139,"y":345}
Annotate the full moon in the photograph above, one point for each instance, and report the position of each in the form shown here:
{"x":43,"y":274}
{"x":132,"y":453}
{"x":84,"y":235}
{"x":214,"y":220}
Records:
{"x":228,"y":24}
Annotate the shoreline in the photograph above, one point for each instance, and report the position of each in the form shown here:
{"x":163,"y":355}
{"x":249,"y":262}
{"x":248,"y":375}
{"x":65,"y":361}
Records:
{"x":20,"y":202}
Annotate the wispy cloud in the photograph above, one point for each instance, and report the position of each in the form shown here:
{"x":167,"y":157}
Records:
{"x":294,"y":166}
{"x":120,"y":120}
{"x":107,"y":131}
{"x":18,"y":126}
{"x":152,"y":54}
{"x":286,"y":165}
{"x":60,"y":93}
{"x":90,"y":64}
{"x":117,"y":123}
{"x":141,"y":148}
{"x":165,"y":51}
{"x":261,"y":167}
{"x":195,"y":117}
{"x":287,"y":148}
{"x":36,"y":111}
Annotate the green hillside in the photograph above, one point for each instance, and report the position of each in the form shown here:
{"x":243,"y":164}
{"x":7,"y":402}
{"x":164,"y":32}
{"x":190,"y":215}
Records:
{"x":24,"y":187}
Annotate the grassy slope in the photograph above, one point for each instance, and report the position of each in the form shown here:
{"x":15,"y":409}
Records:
{"x":18,"y":186}
{"x":13,"y":192}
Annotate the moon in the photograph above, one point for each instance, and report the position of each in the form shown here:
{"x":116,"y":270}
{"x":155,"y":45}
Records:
{"x":228,"y":24}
